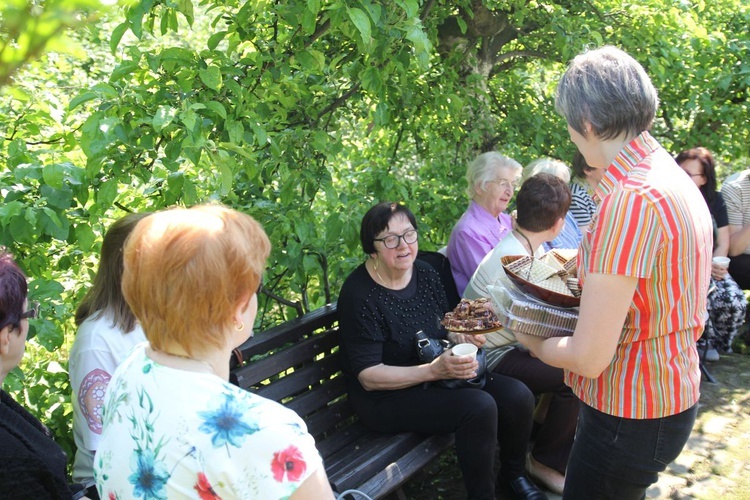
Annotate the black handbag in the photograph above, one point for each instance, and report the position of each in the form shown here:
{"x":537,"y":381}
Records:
{"x":429,"y":349}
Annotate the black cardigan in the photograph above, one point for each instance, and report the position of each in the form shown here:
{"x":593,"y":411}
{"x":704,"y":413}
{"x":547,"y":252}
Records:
{"x":32,"y":465}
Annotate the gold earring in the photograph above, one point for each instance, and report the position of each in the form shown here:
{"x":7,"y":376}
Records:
{"x":375,"y":265}
{"x":239,"y":327}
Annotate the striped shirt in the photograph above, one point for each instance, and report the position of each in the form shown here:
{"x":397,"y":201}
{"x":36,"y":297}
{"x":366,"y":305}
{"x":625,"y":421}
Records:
{"x":582,"y":205}
{"x":652,"y":224}
{"x":736,"y":193}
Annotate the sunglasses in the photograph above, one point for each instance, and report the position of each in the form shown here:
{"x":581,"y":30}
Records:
{"x":33,"y":312}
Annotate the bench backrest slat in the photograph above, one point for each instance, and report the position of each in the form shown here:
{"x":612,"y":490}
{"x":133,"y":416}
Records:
{"x":294,"y":352}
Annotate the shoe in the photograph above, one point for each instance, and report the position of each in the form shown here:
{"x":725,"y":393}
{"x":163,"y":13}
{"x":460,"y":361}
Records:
{"x":546,"y":476}
{"x":712,"y":355}
{"x":523,"y":488}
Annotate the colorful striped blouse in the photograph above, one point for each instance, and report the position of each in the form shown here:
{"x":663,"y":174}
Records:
{"x":653,"y":224}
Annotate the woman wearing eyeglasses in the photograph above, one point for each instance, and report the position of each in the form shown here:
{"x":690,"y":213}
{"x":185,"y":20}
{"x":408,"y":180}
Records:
{"x":492,"y":179}
{"x":384,"y":302}
{"x":726,"y":301}
{"x":33,"y":465}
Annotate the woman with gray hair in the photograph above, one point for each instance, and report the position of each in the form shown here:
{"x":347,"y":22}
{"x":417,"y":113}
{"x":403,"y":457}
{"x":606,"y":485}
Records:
{"x":644,"y":265}
{"x":491,"y":181}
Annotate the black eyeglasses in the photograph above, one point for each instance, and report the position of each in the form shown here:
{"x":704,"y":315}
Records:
{"x":31,"y":313}
{"x":394,"y":240}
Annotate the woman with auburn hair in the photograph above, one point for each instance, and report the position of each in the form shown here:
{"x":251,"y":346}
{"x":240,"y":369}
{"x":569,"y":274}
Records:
{"x":644,"y":264}
{"x":173,"y":424}
{"x":726,"y":301}
{"x":107,"y":332}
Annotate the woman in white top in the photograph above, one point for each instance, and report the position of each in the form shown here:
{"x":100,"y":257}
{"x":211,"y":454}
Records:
{"x":107,"y":332}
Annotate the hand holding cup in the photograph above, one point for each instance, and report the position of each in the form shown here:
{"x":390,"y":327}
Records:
{"x":719,"y":266}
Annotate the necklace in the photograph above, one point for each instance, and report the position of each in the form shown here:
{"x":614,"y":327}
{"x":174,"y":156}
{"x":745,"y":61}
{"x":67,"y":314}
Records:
{"x":531,"y":249}
{"x":377,"y":273}
{"x":531,"y":252}
{"x":209,"y":365}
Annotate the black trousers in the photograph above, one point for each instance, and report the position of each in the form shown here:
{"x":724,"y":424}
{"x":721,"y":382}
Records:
{"x":739,"y":269}
{"x":500,"y":413}
{"x":620,"y":458}
{"x":554,"y":439}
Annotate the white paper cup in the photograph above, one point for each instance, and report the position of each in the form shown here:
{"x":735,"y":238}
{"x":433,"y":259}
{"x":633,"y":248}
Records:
{"x":721,"y":262}
{"x":465,"y":350}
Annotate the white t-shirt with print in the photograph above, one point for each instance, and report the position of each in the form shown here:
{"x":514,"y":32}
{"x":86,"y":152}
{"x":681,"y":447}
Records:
{"x":99,"y":347}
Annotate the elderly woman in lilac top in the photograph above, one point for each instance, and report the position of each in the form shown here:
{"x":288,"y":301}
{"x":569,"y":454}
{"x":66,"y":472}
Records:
{"x":492,"y":179}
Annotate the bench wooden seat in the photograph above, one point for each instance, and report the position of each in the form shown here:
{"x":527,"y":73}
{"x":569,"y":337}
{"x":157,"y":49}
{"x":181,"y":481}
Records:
{"x":297,"y":364}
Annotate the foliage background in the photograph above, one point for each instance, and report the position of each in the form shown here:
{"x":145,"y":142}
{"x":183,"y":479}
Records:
{"x":302,"y":114}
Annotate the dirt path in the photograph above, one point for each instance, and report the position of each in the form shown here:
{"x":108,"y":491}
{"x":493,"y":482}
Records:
{"x":715,"y":463}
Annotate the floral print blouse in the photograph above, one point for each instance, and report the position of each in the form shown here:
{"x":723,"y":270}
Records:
{"x":171,"y":433}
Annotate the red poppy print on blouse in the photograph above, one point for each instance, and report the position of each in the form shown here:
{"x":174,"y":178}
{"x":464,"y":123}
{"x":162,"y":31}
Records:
{"x":289,"y":463}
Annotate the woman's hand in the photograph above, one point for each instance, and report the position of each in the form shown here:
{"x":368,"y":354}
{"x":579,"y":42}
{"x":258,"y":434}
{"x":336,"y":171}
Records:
{"x":448,"y":366}
{"x":718,"y":272}
{"x":463,"y":338}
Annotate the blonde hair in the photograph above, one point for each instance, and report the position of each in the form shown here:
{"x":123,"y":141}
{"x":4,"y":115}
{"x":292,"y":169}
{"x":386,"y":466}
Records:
{"x":187,"y":270}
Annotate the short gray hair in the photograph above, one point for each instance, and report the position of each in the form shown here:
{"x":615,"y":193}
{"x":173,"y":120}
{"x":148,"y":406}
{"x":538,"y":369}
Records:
{"x":547,"y":166}
{"x":609,"y":89}
{"x":482,"y":169}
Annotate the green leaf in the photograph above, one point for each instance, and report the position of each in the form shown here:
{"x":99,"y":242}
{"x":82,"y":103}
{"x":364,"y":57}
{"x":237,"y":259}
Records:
{"x":116,"y":36}
{"x":361,"y":22}
{"x":163,"y":117}
{"x":9,"y":210}
{"x":217,"y":108}
{"x":371,"y":80}
{"x":214,"y":39}
{"x":125,"y":68}
{"x":235,"y":130}
{"x":80,"y":99}
{"x":85,"y":237}
{"x":59,"y":198}
{"x":107,"y":193}
{"x":211,"y":77}
{"x":53,"y":175}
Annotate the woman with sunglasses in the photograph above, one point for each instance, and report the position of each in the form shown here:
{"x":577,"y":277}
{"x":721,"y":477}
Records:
{"x":384,"y":302}
{"x":33,"y":464}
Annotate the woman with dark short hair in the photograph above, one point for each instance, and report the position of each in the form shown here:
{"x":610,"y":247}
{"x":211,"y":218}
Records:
{"x":384,"y":302}
{"x":726,"y":301}
{"x":644,"y":265}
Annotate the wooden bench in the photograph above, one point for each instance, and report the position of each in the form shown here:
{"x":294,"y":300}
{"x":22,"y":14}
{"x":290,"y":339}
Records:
{"x":297,"y":364}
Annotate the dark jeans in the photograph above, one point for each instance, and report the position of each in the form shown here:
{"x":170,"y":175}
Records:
{"x":739,"y":269}
{"x":500,"y":413}
{"x":619,"y":458}
{"x":554,"y":439}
